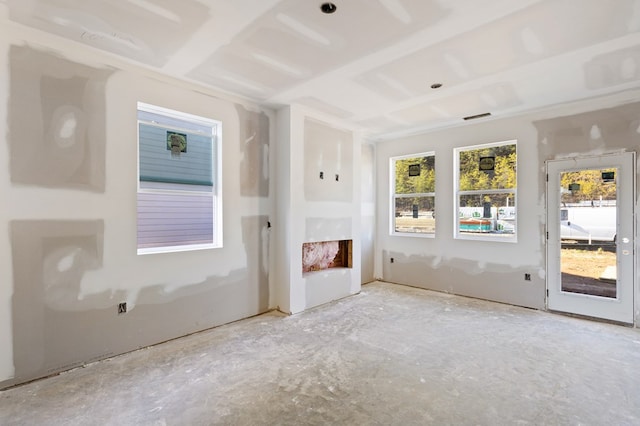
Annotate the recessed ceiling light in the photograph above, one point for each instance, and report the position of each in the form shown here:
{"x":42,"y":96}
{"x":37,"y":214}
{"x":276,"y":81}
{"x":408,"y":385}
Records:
{"x":436,"y":85}
{"x":328,"y":8}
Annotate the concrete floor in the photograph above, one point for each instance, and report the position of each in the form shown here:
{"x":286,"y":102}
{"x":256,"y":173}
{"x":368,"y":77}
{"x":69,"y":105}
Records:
{"x":392,"y":355}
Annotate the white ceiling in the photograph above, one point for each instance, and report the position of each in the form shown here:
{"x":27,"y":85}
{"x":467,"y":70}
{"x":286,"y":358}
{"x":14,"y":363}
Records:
{"x":372,"y":62}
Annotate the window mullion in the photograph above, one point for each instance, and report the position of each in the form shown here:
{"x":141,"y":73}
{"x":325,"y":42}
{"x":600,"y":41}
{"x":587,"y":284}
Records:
{"x":487,"y":191}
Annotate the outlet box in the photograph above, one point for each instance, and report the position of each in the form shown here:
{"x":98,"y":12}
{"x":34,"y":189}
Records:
{"x":122,"y":308}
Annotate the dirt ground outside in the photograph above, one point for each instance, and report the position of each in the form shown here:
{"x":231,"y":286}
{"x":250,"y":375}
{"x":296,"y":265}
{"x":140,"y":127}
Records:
{"x":586,"y":263}
{"x":582,"y":272}
{"x":421,"y":225}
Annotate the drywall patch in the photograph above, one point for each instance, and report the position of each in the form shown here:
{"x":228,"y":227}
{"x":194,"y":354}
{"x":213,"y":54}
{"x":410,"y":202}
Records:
{"x":613,"y":68}
{"x":160,"y":315}
{"x":160,"y":27}
{"x":50,"y":259}
{"x":325,"y":286}
{"x":68,"y":339}
{"x":55,"y":330}
{"x":367,"y":170}
{"x":64,"y":262}
{"x":591,"y":133}
{"x":57,"y":129}
{"x":490,"y":281}
{"x":328,"y":163}
{"x":255,"y":236}
{"x":367,"y":258}
{"x":325,"y":229}
{"x":254,"y":148}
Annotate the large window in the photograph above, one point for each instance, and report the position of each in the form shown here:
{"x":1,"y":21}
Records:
{"x":486,"y":191}
{"x":179,"y":206}
{"x":413,"y":180}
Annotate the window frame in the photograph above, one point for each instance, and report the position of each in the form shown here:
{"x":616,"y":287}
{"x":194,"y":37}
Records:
{"x":195,"y":190}
{"x":393,"y":196}
{"x":457,"y":193}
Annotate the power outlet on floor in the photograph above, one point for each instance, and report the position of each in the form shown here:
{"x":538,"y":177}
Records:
{"x":122,"y":308}
{"x":527,"y":277}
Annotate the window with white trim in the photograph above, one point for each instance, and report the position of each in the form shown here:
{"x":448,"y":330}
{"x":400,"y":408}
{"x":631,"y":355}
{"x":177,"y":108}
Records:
{"x":179,"y":203}
{"x":486,"y":182}
{"x":413,"y":186}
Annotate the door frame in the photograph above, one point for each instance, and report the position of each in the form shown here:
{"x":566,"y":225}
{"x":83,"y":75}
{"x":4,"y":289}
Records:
{"x":587,"y":305}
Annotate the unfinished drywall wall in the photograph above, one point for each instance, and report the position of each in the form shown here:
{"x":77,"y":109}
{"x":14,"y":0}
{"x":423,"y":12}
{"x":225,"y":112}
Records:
{"x":614,"y":129}
{"x":315,"y":208}
{"x":69,"y":245}
{"x":488,"y":269}
{"x":590,"y":133}
{"x":475,"y":278}
{"x":328,"y":157}
{"x":327,"y":229}
{"x":254,"y":145}
{"x":56,"y":121}
{"x":367,"y":233}
{"x":50,"y":259}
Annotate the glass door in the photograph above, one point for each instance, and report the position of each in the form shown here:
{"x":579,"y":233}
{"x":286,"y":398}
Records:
{"x":590,"y":218}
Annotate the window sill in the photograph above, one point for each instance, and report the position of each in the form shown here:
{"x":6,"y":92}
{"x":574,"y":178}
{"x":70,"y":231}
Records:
{"x":413,"y":234}
{"x":500,"y":238}
{"x":176,"y":249}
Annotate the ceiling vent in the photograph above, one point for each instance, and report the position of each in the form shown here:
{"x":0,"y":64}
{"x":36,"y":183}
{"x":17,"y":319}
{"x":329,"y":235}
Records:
{"x":473,"y":117}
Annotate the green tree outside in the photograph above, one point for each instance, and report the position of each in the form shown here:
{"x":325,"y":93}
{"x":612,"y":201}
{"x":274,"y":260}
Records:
{"x":592,"y":187}
{"x":425,"y":182}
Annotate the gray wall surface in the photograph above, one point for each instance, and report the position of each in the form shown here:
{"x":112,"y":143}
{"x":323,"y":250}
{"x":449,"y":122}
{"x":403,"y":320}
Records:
{"x":490,"y":269}
{"x":318,"y":191}
{"x":68,"y":252}
{"x":368,"y":227}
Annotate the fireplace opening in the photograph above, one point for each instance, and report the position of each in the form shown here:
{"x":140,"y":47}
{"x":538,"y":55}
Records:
{"x":321,"y":255}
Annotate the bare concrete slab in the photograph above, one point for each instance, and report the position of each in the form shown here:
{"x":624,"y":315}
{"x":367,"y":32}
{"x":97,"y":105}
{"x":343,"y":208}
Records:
{"x":391,"y":355}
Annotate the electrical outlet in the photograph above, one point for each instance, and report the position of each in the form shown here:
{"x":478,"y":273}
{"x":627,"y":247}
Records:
{"x":321,"y":175}
{"x":527,"y":277}
{"x":122,"y":308}
{"x":337,"y":178}
{"x":392,"y":260}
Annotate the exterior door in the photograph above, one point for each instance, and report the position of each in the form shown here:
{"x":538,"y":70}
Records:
{"x":590,"y":246}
